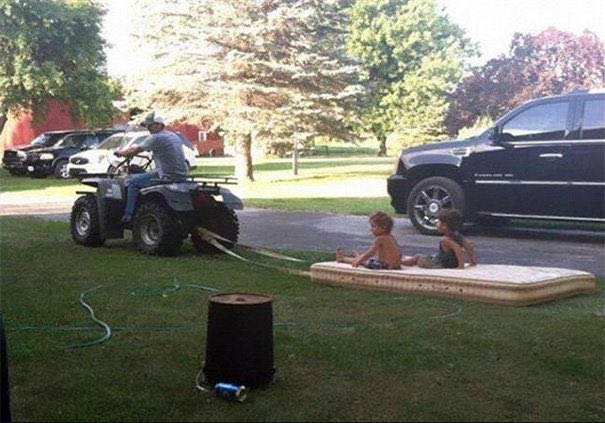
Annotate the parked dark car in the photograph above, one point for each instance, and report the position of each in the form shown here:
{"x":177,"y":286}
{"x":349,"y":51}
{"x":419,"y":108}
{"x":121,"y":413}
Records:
{"x":42,"y":162}
{"x":543,"y":160}
{"x":13,"y":160}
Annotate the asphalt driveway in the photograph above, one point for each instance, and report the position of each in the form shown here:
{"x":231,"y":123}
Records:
{"x":573,"y":249}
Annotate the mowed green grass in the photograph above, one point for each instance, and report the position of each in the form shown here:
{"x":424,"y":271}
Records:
{"x":344,"y":184}
{"x":340,"y":354}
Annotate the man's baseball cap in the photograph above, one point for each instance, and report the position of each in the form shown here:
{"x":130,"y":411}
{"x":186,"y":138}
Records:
{"x":152,"y":118}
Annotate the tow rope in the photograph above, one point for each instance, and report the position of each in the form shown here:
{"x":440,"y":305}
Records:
{"x":214,"y":238}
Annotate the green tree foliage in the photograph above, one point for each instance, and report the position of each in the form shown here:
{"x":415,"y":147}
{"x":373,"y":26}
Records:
{"x":52,"y":50}
{"x":481,"y":124}
{"x":412,"y":56}
{"x":261,"y":70}
{"x":551,"y":62}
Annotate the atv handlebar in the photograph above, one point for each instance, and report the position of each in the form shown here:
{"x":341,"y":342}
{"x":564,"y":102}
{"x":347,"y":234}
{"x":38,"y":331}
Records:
{"x":126,"y":164}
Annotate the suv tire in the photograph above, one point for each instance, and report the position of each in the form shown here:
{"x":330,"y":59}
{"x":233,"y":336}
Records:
{"x":428,"y":197}
{"x":60,"y":170}
{"x":84,"y":222}
{"x":223,"y":222}
{"x":156,"y":230}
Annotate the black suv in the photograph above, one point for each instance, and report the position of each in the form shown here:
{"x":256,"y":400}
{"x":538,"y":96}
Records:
{"x":543,"y":160}
{"x":13,"y":160}
{"x":42,"y":162}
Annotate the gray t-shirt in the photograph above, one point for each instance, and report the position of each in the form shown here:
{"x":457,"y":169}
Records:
{"x":168,"y":154}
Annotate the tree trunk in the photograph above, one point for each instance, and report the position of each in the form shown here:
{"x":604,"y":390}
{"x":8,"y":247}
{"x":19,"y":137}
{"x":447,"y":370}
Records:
{"x":382,"y":146}
{"x":3,"y":119}
{"x":295,"y":158}
{"x":243,"y":165}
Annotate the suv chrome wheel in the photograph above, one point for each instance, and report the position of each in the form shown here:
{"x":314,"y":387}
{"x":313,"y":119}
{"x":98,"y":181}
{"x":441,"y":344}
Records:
{"x":429,"y":197}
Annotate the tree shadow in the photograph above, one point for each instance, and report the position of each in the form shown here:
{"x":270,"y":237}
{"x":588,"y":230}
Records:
{"x":550,"y":231}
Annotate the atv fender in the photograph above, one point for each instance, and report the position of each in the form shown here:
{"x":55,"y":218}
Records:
{"x":110,"y":201}
{"x":176,"y":195}
{"x":231,"y":200}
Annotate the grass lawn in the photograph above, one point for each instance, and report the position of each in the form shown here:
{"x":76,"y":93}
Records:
{"x":340,"y":354}
{"x":337,"y":183}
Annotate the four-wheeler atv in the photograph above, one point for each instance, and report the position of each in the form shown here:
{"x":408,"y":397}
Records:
{"x":166,"y":212}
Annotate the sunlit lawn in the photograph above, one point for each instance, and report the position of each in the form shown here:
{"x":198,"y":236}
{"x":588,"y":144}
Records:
{"x":340,"y":354}
{"x":354,"y":184}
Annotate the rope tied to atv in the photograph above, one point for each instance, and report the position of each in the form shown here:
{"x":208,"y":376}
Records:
{"x":214,"y":238}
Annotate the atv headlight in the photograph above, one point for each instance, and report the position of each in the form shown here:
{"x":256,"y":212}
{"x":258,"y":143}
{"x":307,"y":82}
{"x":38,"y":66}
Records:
{"x":46,"y":156}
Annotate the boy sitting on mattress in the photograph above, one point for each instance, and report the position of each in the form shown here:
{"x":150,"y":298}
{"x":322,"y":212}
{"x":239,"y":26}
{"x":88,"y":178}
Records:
{"x":384,"y":252}
{"x":451,"y":247}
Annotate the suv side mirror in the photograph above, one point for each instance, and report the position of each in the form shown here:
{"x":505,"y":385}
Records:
{"x":496,"y":136}
{"x":493,"y":134}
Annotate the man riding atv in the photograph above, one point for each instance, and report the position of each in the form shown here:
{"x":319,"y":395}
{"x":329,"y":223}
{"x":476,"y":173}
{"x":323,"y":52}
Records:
{"x":161,"y":208}
{"x":167,"y":154}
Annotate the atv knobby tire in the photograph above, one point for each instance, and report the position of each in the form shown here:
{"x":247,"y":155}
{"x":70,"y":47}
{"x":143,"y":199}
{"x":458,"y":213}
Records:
{"x":156,"y":230}
{"x":222,"y":221}
{"x":84,"y":222}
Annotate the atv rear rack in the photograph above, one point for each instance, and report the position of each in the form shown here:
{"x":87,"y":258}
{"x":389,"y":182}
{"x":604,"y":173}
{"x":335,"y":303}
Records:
{"x":223,"y":180}
{"x":204,"y":182}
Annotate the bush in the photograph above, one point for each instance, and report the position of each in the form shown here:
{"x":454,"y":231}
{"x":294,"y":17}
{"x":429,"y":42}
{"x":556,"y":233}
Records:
{"x":481,"y":124}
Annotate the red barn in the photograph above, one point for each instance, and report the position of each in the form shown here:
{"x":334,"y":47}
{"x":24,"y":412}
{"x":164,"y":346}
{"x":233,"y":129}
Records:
{"x":20,"y":131}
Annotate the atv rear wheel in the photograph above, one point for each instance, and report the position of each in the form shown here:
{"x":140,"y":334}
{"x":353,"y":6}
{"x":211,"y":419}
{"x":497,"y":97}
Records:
{"x":222,"y":221}
{"x":84,"y":222}
{"x":156,"y":230}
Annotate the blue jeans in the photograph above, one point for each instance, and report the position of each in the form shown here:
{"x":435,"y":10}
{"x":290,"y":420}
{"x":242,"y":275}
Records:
{"x":134,"y":186}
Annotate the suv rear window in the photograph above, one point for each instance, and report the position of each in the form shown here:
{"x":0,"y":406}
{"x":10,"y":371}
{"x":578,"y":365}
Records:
{"x":593,"y":124}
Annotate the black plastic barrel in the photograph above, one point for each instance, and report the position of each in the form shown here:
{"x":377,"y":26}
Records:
{"x":239,"y":340}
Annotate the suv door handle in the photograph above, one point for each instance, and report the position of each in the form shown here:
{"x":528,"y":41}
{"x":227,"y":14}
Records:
{"x":551,"y":156}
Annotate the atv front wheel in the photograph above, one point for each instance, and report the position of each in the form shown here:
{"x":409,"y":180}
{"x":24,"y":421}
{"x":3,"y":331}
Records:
{"x":222,"y":221}
{"x":156,"y":230}
{"x":84,"y":222}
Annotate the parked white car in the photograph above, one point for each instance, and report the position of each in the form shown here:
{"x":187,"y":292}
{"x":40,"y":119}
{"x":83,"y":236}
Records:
{"x":101,"y":159}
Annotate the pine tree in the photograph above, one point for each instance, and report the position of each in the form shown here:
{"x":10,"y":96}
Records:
{"x":261,"y":70}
